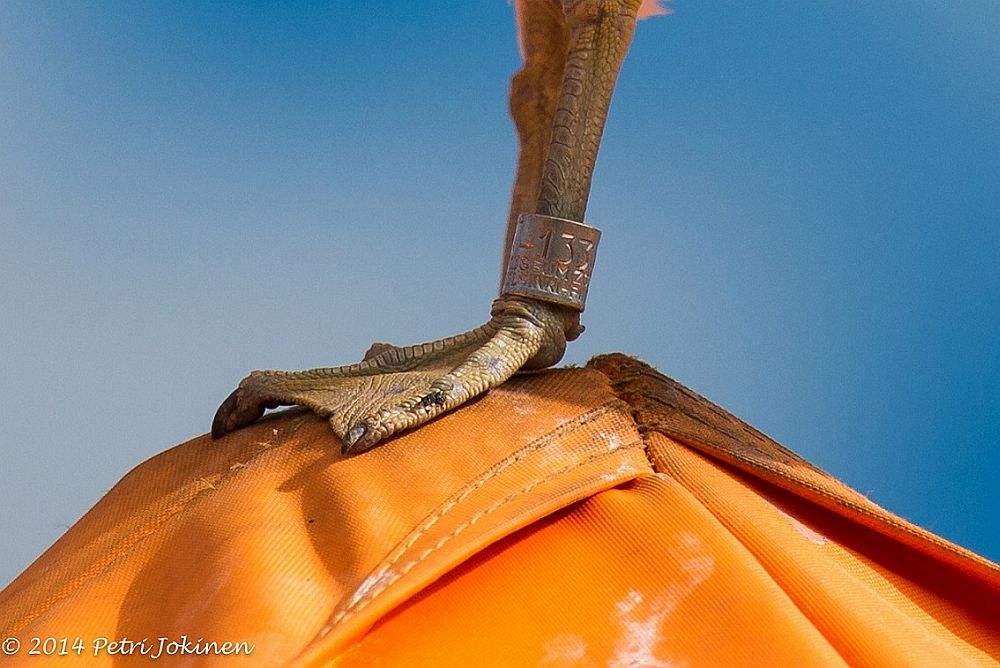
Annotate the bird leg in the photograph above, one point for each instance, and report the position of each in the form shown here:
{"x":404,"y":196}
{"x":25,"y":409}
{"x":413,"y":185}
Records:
{"x":559,"y":100}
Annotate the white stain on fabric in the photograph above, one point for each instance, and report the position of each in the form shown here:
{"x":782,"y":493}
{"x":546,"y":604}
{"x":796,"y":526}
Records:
{"x":523,"y":408}
{"x":565,"y":649}
{"x":624,"y":470}
{"x":640,"y":624}
{"x":629,"y":603}
{"x":641,"y":617}
{"x":613,"y":440}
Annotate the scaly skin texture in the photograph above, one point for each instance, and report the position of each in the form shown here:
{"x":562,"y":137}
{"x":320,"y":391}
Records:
{"x":396,"y":388}
{"x":559,"y":100}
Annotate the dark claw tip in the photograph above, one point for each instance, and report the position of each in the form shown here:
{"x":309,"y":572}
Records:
{"x":356,"y":433}
{"x":222,"y":422}
{"x":231,"y":415}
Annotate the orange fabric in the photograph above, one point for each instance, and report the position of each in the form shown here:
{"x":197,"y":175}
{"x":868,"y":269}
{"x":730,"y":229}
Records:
{"x":573,"y":517}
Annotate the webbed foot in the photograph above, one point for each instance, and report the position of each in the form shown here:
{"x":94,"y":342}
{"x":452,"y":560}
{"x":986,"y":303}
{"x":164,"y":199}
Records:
{"x":397,"y":388}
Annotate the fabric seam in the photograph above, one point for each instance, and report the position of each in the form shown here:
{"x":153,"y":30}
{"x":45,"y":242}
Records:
{"x":449,"y":504}
{"x":753,"y":467}
{"x":369,"y":597}
{"x":137,"y":536}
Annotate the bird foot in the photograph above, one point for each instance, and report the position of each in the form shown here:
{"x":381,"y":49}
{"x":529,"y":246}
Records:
{"x":396,"y":388}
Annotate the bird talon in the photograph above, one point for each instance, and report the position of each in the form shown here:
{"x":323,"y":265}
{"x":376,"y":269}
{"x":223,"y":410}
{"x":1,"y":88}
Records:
{"x":354,"y":435}
{"x":232,"y":415}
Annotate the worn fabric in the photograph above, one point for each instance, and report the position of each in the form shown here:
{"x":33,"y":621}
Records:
{"x":598,"y":516}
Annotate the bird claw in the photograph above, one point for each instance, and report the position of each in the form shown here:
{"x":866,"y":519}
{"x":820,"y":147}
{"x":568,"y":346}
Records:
{"x":396,"y":388}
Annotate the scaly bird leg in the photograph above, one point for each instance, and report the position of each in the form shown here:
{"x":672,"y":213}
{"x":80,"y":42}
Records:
{"x":573,"y":50}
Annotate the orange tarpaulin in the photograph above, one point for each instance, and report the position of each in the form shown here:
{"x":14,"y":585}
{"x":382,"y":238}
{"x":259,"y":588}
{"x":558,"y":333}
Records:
{"x":598,"y":516}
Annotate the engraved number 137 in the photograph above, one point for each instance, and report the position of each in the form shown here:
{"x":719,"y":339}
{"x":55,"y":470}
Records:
{"x":567,"y":249}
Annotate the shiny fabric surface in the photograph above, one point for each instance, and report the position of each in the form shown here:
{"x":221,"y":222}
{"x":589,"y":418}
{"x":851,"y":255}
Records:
{"x":598,"y":516}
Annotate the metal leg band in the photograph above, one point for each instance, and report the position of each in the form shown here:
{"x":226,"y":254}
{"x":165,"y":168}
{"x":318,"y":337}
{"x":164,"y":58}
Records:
{"x":551,"y":259}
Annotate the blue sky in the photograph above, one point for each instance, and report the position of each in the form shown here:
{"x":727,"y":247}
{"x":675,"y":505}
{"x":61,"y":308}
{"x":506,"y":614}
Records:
{"x":800,"y":208}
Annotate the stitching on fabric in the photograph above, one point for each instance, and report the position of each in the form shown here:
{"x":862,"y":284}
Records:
{"x":887,"y":519}
{"x":733,"y":457}
{"x":633,"y":414}
{"x":127,"y":544}
{"x":360,"y":604}
{"x":428,"y":522}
